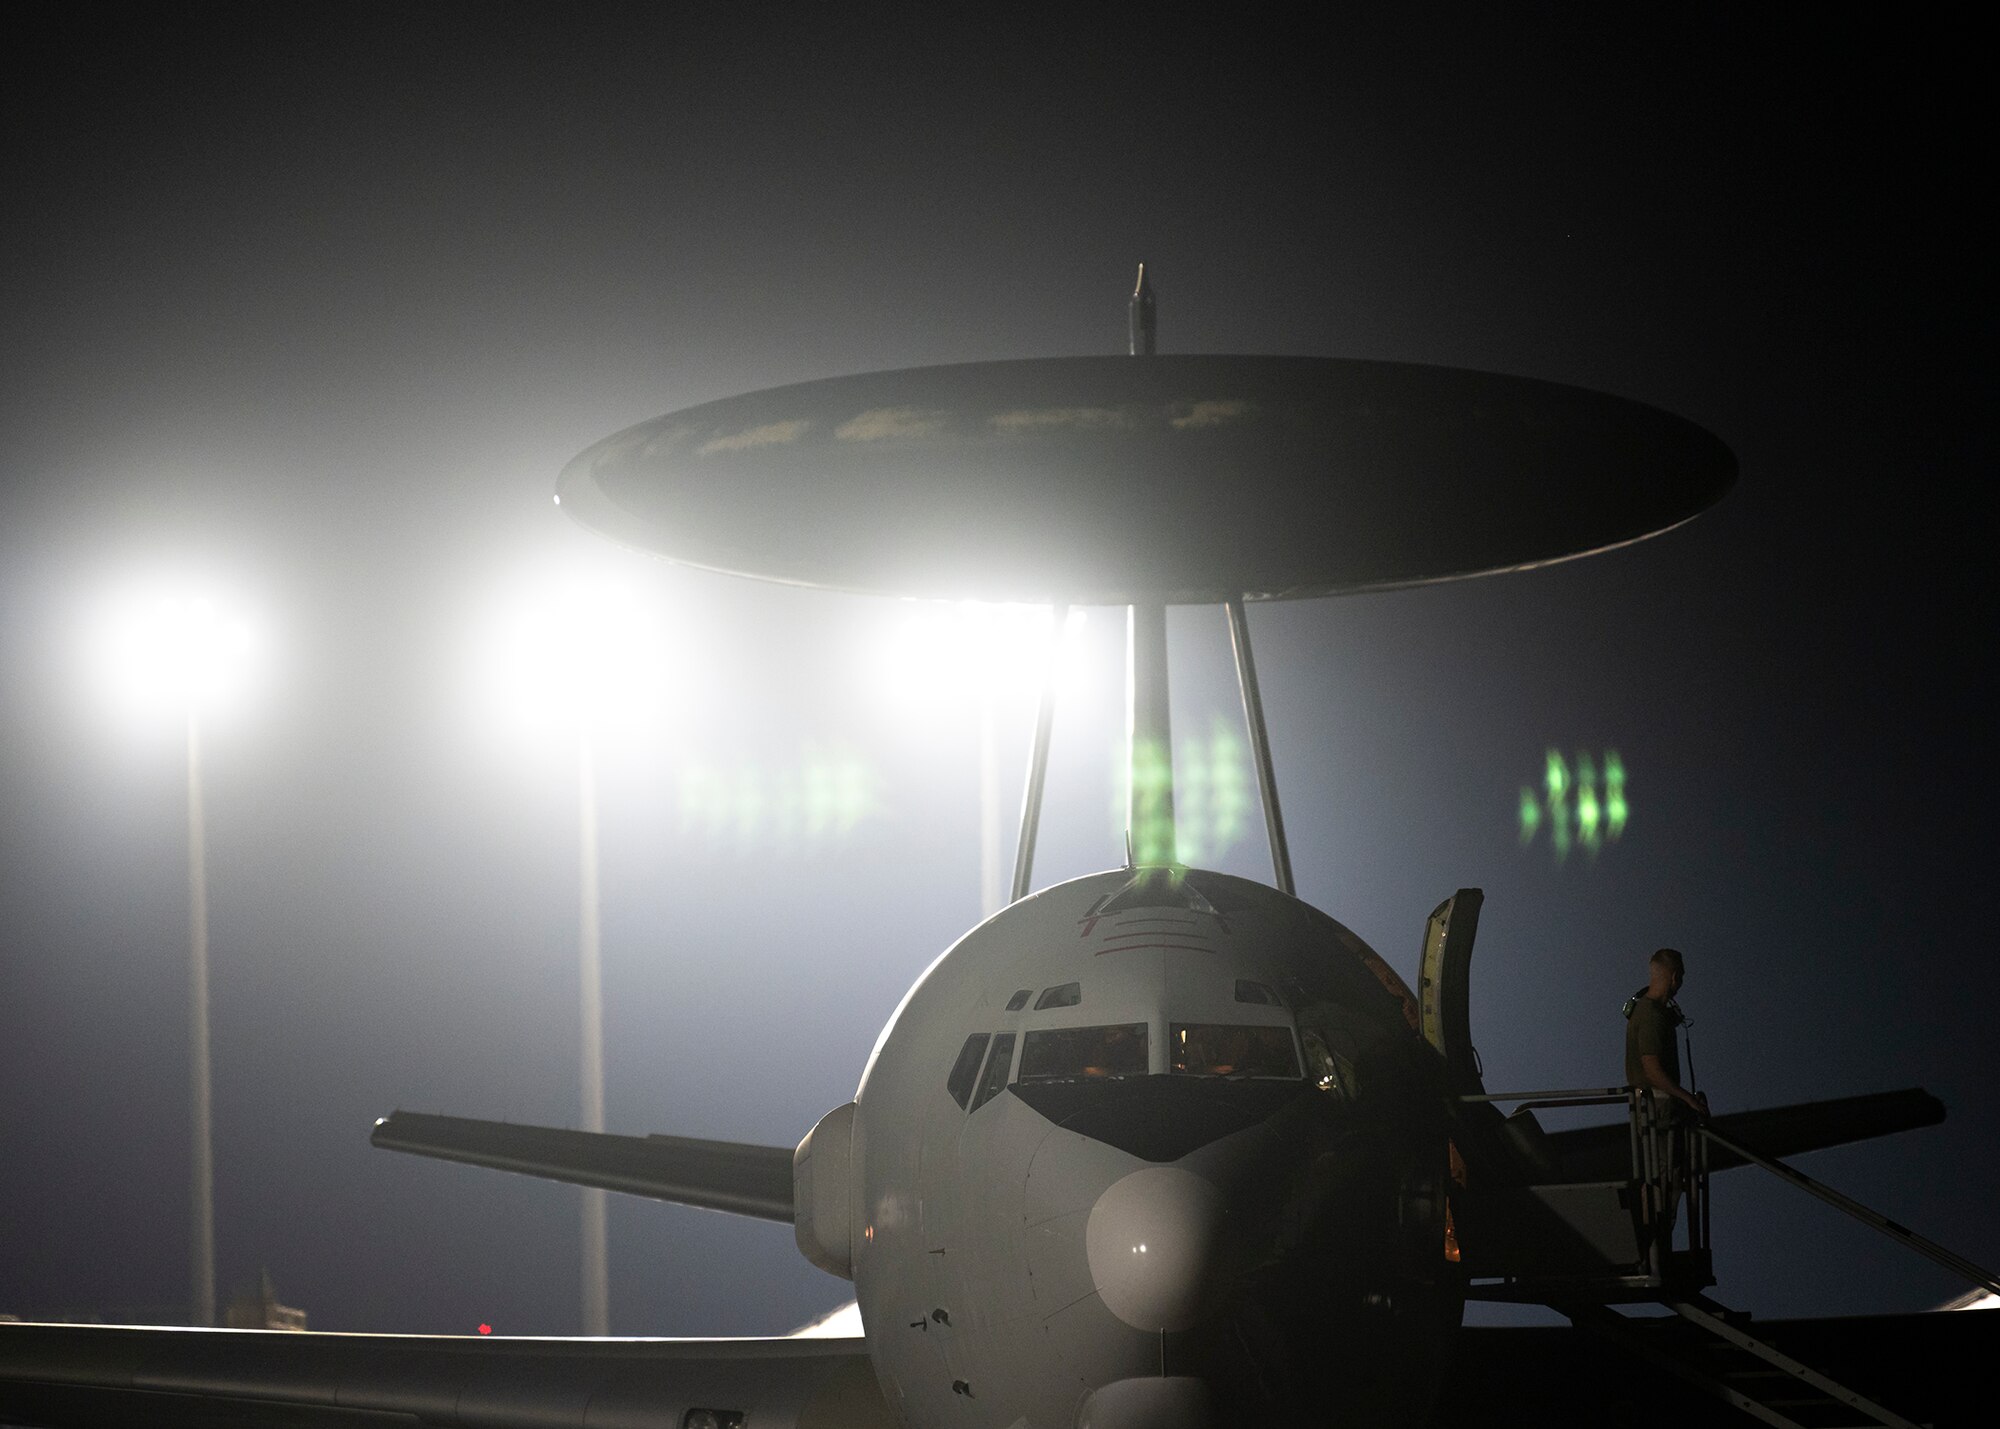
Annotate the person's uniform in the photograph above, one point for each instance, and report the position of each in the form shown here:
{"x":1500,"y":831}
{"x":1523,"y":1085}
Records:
{"x":1649,"y":1032}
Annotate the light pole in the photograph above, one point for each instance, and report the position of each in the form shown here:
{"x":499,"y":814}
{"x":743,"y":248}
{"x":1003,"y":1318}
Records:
{"x":161,"y":650}
{"x":988,"y":654}
{"x":575,"y":657}
{"x":201,"y":1239}
{"x":596,"y":1254}
{"x":992,"y":878}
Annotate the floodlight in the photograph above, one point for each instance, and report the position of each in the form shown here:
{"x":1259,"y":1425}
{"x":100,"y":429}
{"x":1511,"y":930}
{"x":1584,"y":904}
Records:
{"x":173,"y":648}
{"x":948,"y":651}
{"x":576,"y":653}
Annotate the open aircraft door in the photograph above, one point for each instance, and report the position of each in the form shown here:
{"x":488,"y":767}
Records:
{"x":1444,"y":988}
{"x":1444,"y":978}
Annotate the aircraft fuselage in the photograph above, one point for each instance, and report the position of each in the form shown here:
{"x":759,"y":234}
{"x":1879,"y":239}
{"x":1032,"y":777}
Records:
{"x":1152,"y":1148}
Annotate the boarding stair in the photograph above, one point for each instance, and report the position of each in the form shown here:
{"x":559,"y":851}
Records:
{"x":1587,"y":1220}
{"x":1604,"y":1244}
{"x":1713,"y":1348}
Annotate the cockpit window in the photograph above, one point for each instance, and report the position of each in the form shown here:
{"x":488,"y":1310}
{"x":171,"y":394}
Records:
{"x":1050,"y":1053}
{"x":1068,"y":995}
{"x":997,"y":1067}
{"x":1211,"y":1049}
{"x":1020,"y":999}
{"x":1331,"y":1071}
{"x":1248,"y":991}
{"x":965,"y":1070}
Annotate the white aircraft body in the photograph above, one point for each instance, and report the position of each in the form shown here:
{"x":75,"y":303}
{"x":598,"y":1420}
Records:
{"x":1140,"y":1148}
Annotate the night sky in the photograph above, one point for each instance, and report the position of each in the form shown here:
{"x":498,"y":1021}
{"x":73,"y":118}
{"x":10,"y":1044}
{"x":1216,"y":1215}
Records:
{"x":318,"y":300}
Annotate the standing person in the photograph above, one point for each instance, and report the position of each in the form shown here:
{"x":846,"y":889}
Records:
{"x":1652,"y":1055}
{"x":1653,"y":1062}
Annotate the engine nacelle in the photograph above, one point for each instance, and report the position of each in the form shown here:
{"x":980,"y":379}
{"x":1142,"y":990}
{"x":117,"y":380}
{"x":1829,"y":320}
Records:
{"x":822,"y":1189}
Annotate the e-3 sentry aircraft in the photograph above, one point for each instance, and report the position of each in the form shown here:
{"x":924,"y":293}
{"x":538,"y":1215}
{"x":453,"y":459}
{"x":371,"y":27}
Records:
{"x":1153,"y":1147}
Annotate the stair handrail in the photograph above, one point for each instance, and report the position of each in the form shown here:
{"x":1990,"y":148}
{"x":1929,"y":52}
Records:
{"x":1568,"y":1096}
{"x":1949,"y":1259}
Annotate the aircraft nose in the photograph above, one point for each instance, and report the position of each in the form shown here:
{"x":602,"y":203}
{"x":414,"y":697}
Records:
{"x":1152,"y":1241}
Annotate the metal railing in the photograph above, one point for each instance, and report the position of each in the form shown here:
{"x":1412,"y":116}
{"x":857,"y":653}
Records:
{"x":1669,"y":1163}
{"x":1670,"y":1159}
{"x":1949,"y":1259}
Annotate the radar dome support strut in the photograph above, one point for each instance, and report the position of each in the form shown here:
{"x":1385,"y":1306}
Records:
{"x":1038,"y":762}
{"x":1260,"y":745}
{"x":1149,"y":738}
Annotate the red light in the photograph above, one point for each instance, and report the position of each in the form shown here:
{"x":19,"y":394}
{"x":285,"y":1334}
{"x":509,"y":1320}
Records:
{"x":485,"y":1329}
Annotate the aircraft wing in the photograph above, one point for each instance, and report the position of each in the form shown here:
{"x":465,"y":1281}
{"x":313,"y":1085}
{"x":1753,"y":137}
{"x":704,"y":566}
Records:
{"x":716,"y":1175}
{"x":1602,"y":1153}
{"x":63,"y":1375}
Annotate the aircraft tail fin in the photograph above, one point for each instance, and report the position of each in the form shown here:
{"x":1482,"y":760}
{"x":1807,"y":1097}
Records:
{"x":715,"y":1175}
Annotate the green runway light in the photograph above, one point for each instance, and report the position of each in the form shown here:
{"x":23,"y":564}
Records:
{"x":1615,"y":809}
{"x":1589,"y":814}
{"x":1152,"y":815}
{"x":1571,"y":805}
{"x":822,"y":797}
{"x":1212,"y":796}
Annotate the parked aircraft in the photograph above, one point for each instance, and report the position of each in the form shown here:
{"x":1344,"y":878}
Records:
{"x":1154,"y":1147}
{"x":1151,"y":1147}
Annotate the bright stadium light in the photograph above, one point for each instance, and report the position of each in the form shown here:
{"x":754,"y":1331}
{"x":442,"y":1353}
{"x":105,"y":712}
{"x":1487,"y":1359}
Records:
{"x":572,"y":658}
{"x":948,"y":654}
{"x":164,"y":650}
{"x":945,"y":651}
{"x":181,"y":653}
{"x":576,"y":653}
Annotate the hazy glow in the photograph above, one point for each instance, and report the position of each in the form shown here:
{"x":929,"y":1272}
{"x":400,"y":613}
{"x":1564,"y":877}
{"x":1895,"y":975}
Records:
{"x":576,"y":652}
{"x":1589,"y":814}
{"x":1615,"y":808}
{"x":820,"y":798}
{"x":942,"y":651}
{"x":1571,"y":805}
{"x":1153,"y":826}
{"x":1212,"y":796}
{"x":173,"y":648}
{"x":1212,"y":802}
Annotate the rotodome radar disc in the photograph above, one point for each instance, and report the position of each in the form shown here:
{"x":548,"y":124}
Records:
{"x":1115,"y":480}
